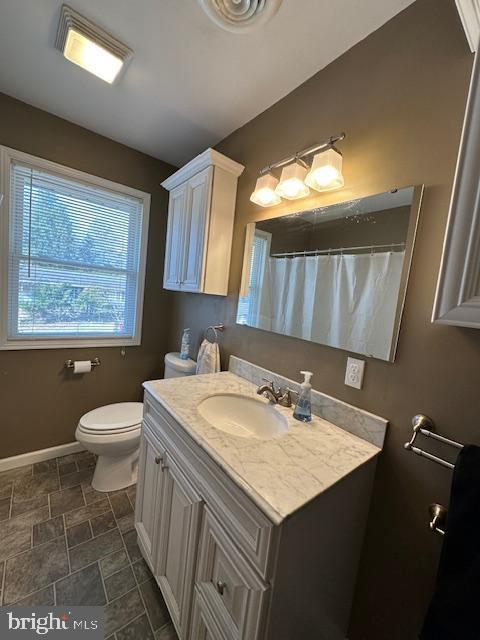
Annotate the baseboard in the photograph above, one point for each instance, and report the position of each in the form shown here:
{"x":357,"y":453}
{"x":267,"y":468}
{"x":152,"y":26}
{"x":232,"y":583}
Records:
{"x":40,"y":455}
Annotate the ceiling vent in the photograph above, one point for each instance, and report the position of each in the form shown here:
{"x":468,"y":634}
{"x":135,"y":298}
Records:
{"x":240,"y":15}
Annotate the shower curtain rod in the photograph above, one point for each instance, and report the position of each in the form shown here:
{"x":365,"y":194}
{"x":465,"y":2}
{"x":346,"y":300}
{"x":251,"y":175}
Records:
{"x":317,"y":252}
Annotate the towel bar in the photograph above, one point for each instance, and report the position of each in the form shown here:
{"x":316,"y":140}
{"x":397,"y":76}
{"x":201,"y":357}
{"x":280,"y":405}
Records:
{"x":424,"y":425}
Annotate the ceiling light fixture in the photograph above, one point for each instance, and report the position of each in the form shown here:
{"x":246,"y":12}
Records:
{"x":90,"y":47}
{"x":264,"y":193}
{"x":324,"y":174}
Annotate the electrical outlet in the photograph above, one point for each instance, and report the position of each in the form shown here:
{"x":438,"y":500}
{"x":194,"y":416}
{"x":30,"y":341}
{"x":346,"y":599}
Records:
{"x":354,"y":373}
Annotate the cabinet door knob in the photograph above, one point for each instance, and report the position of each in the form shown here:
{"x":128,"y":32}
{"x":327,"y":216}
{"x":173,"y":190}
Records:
{"x":163,"y":466}
{"x":158,"y":459}
{"x":221,"y":586}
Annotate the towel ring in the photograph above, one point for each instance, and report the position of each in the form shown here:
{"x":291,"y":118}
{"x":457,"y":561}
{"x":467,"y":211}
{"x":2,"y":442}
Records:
{"x":215,"y":328}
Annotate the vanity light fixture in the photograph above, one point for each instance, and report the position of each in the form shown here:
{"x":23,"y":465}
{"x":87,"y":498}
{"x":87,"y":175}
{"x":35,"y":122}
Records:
{"x":292,"y":181}
{"x":264,"y":193}
{"x":326,"y":171}
{"x":90,"y":47}
{"x":324,"y":174}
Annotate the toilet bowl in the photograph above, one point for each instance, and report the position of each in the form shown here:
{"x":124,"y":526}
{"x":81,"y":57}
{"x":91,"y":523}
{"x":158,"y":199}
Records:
{"x":113,"y":432}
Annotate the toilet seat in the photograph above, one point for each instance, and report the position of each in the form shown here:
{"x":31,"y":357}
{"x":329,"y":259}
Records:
{"x":121,"y":417}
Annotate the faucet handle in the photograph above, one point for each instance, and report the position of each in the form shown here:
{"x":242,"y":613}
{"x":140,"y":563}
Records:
{"x":286,"y":399}
{"x":272,"y":385}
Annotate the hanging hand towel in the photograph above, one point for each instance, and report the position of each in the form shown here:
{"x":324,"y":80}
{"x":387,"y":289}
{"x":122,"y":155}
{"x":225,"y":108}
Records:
{"x":453,"y":611}
{"x":208,"y":359}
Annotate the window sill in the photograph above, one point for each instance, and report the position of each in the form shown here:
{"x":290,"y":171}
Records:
{"x":73,"y":343}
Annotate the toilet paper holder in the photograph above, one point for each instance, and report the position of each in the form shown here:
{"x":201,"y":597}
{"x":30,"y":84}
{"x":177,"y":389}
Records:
{"x":95,"y":363}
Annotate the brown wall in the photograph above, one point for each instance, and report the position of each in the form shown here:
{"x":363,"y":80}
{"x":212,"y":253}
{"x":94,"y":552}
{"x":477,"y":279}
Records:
{"x":400,"y":96}
{"x":39,"y":402}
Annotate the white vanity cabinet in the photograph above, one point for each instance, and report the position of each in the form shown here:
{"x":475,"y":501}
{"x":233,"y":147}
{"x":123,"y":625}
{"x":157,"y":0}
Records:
{"x":226,"y":571}
{"x":179,"y":521}
{"x":149,"y":485}
{"x":200,"y":224}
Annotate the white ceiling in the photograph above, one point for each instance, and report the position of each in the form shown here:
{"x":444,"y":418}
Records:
{"x":190,"y":83}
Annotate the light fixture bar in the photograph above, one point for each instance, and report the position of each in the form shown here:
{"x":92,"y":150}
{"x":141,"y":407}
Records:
{"x":296,"y":157}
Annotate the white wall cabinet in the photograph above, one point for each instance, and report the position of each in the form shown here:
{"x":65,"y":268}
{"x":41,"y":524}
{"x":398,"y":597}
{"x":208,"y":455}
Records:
{"x":225,"y":570}
{"x":200,"y":224}
{"x":457,"y":300}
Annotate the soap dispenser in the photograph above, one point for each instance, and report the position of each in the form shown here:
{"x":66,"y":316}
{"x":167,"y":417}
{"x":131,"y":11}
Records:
{"x":303,"y":408}
{"x":185,"y":347}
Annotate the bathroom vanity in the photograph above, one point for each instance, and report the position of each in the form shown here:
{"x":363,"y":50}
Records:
{"x":252,"y":522}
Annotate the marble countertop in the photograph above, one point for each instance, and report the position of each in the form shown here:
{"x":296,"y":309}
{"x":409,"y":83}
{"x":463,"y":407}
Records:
{"x":280,"y":474}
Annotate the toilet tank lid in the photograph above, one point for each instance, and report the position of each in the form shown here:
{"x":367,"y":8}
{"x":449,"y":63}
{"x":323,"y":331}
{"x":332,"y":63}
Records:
{"x":113,"y":416}
{"x":184,"y":366}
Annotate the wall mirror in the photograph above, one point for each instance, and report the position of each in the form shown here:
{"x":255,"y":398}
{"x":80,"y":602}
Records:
{"x":335,"y":275}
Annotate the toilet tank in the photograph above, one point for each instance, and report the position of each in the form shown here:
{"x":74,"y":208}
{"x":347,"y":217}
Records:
{"x":175,"y":367}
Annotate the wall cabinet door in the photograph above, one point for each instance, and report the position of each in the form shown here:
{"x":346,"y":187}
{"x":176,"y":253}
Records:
{"x":457,"y":301}
{"x":177,"y":544}
{"x":174,"y":256}
{"x":149,"y":491}
{"x":196,"y":229}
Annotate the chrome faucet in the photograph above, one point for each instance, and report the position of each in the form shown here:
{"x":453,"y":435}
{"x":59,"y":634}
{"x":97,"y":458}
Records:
{"x":275,"y":396}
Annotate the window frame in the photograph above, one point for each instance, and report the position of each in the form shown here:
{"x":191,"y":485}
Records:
{"x":7,"y":157}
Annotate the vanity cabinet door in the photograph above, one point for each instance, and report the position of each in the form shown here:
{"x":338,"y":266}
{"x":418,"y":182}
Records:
{"x":149,"y":491}
{"x":177,"y":544}
{"x":176,"y":230}
{"x":196,"y":223}
{"x":204,"y":626}
{"x":229,"y":585}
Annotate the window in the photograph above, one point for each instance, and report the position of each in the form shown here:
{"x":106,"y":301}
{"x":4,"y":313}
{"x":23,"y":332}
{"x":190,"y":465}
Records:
{"x":73,"y":257}
{"x":249,"y":305}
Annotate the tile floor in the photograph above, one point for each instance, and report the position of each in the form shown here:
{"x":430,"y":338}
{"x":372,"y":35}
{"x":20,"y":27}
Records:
{"x":62,"y":542}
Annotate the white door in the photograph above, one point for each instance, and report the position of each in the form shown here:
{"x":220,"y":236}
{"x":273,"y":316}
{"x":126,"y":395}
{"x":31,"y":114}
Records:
{"x":175,"y":249}
{"x":196,"y":230}
{"x":149,"y":492}
{"x":177,"y":544}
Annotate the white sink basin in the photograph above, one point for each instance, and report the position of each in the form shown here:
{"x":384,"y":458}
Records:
{"x":242,"y":416}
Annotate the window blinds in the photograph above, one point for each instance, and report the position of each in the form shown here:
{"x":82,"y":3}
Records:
{"x":74,"y":258}
{"x":247,"y":305}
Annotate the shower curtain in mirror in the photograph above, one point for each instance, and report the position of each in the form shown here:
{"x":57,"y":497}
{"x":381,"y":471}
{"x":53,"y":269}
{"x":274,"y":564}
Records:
{"x":347,"y":301}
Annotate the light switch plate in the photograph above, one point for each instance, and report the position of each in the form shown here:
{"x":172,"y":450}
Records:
{"x":354,"y":373}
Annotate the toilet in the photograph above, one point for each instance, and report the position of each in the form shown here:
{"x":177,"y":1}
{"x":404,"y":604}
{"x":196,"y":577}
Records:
{"x":113,"y":432}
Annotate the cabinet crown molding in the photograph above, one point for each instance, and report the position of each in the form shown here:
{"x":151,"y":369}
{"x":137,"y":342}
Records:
{"x":206,"y":159}
{"x":469,"y":11}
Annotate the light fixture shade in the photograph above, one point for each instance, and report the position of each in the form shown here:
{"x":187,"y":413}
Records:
{"x":292,"y":185}
{"x":264,"y":193}
{"x":90,"y":47}
{"x":326,"y":171}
